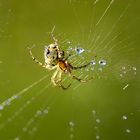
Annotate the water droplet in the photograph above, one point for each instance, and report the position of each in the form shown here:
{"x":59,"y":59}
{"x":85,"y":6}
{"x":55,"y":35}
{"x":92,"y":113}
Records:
{"x":102,"y":62}
{"x":70,"y":48}
{"x":71,"y":136}
{"x":71,"y":123}
{"x":124,"y":117}
{"x":17,"y":138}
{"x":1,"y":107}
{"x":7,"y":102}
{"x":92,"y":62}
{"x":128,"y":130}
{"x":79,"y":50}
{"x":97,"y":137}
{"x":93,"y":112}
{"x":123,"y":68}
{"x":39,"y":112}
{"x":68,"y":42}
{"x":121,"y":75}
{"x":98,"y":120}
{"x":96,"y":1}
{"x":46,"y":111}
{"x":134,"y":68}
{"x":124,"y":72}
{"x":86,"y":69}
{"x":15,"y":96}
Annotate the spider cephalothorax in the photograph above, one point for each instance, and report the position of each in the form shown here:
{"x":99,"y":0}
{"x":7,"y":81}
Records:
{"x":55,"y":59}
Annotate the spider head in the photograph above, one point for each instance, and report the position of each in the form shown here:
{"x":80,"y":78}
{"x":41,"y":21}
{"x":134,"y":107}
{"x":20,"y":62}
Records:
{"x":61,"y":54}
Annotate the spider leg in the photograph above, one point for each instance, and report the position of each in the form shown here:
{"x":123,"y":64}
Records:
{"x":83,"y":66}
{"x":33,"y":58}
{"x":80,"y":67}
{"x":58,"y":76}
{"x":63,"y":86}
{"x":53,"y":37}
{"x":67,"y":57}
{"x":53,"y":78}
{"x":79,"y":79}
{"x":56,"y":79}
{"x":59,"y":81}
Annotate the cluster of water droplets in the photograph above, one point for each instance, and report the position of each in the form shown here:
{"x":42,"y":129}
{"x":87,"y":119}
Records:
{"x":31,"y":126}
{"x":8,"y":101}
{"x":38,"y":114}
{"x":82,"y":53}
{"x":128,"y":70}
{"x":71,"y":127}
{"x":15,"y":96}
{"x":126,"y":73}
{"x":97,"y":124}
{"x":126,"y":119}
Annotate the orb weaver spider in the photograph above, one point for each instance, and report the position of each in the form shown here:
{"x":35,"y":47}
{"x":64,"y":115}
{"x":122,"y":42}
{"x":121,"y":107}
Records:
{"x":55,"y":59}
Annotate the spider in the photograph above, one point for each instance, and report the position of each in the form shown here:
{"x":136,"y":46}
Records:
{"x":55,"y":59}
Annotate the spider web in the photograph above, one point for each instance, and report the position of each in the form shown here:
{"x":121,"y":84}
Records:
{"x":100,"y":32}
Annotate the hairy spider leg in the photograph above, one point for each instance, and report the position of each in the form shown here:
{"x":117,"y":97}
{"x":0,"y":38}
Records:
{"x":58,"y":77}
{"x":53,"y":78}
{"x":76,"y":78}
{"x":64,"y":87}
{"x":34,"y":59}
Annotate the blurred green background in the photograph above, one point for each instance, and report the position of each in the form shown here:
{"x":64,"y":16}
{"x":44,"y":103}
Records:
{"x":106,"y":107}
